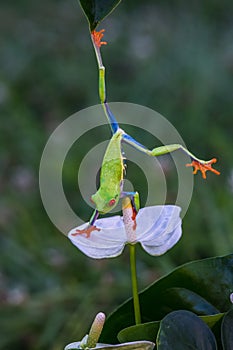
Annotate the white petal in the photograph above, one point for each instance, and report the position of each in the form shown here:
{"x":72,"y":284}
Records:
{"x":136,"y":345}
{"x":162,"y":228}
{"x":106,"y":243}
{"x":154,"y":249}
{"x":72,"y":346}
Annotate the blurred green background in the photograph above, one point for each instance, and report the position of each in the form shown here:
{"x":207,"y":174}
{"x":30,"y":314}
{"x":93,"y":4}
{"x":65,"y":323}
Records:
{"x":175,"y":57}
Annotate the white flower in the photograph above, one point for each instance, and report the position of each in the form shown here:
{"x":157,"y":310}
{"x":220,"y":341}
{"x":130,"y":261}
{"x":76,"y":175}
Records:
{"x":156,"y":228}
{"x":89,"y":342}
{"x":136,"y":345}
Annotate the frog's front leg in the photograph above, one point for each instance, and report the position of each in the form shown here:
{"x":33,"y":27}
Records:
{"x":90,"y":227}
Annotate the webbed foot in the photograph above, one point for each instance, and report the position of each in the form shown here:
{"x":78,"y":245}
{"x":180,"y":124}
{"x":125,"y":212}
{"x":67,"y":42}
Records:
{"x":86,"y":231}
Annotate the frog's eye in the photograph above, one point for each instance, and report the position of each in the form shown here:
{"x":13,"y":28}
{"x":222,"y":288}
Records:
{"x":111,"y":202}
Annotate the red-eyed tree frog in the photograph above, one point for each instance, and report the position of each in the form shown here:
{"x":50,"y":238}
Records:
{"x":113,"y":168}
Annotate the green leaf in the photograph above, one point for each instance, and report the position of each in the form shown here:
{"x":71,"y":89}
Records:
{"x":145,"y":331}
{"x":212,"y":320}
{"x":182,"y":298}
{"x":204,"y":285}
{"x":97,"y":10}
{"x":182,"y":330}
{"x":227,"y":331}
{"x":148,"y":331}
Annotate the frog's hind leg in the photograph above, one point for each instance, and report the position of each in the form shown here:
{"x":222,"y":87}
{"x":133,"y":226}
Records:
{"x":134,"y":199}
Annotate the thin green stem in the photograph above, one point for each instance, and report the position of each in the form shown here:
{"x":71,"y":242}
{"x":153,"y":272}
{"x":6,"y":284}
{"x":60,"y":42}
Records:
{"x":137,"y":313}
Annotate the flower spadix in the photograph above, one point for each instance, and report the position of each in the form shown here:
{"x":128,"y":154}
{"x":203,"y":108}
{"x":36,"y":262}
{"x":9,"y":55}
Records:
{"x":156,"y":228}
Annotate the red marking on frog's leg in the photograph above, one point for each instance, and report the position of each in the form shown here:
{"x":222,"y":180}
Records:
{"x":134,"y":225}
{"x":134,"y":219}
{"x":134,"y":213}
{"x":86,"y":231}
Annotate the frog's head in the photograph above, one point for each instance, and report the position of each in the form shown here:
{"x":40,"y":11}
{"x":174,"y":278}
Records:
{"x":103,"y":202}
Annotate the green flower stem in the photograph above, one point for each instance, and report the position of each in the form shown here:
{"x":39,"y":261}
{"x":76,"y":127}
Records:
{"x":137,"y":313}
